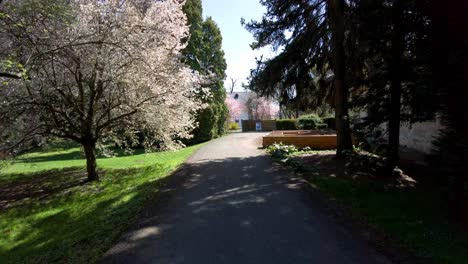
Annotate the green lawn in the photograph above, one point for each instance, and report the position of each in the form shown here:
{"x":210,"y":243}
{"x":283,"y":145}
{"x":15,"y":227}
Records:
{"x":57,"y":159}
{"x":77,"y":224}
{"x":414,"y":218}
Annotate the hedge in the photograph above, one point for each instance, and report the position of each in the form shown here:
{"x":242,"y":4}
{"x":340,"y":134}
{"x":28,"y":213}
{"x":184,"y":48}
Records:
{"x":286,"y":124}
{"x":311,"y":121}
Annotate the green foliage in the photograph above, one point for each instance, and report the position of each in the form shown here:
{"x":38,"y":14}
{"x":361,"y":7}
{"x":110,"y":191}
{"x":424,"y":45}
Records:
{"x":280,"y":150}
{"x":286,"y":124}
{"x":374,"y":21}
{"x":322,"y":126}
{"x":285,"y":153}
{"x":302,"y":66}
{"x":193,"y":11}
{"x":363,"y":161}
{"x":299,"y":74}
{"x":78,"y":223}
{"x":206,"y":129}
{"x":204,"y":54}
{"x":233,"y":126}
{"x":311,"y":121}
{"x":212,"y":123}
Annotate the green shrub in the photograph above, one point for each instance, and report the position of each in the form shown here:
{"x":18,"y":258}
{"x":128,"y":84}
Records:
{"x":286,"y":124}
{"x":211,"y":123}
{"x":222,"y":116}
{"x":330,"y":121}
{"x":279,"y":150}
{"x":233,"y":126}
{"x":311,"y":121}
{"x":322,"y":126}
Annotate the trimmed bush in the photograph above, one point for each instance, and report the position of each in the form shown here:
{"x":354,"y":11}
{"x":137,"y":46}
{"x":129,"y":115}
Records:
{"x":233,"y":126}
{"x":322,"y":126}
{"x":311,"y":121}
{"x":330,"y":121}
{"x":211,"y":123}
{"x":286,"y":124}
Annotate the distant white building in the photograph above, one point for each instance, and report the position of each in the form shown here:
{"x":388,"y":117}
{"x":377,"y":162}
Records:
{"x":251,"y":107}
{"x":241,"y":98}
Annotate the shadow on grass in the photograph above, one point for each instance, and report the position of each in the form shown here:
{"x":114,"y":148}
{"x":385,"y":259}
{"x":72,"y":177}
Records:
{"x":72,"y":155}
{"x":76,"y":155}
{"x":66,"y":234}
{"x":82,"y":232}
{"x":410,"y":215}
{"x":78,"y":222}
{"x":40,"y":186}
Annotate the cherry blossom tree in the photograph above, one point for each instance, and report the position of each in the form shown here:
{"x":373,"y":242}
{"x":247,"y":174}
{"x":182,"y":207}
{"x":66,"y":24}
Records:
{"x":96,"y":72}
{"x":266,"y":109}
{"x":234,"y":107}
{"x":260,"y":108}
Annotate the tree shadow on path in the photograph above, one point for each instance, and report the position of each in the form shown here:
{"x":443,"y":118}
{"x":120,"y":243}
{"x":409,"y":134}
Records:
{"x":237,"y":210}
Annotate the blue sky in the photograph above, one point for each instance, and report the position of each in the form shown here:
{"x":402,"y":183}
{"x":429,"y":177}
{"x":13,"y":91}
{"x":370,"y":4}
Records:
{"x":239,"y":56}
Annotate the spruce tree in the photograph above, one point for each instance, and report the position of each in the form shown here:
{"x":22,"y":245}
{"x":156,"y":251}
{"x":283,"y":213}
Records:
{"x":312,"y":36}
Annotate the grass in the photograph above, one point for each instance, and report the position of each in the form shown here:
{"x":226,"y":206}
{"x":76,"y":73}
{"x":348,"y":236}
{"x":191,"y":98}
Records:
{"x":57,"y":159}
{"x":78,"y":224}
{"x":415,"y":218}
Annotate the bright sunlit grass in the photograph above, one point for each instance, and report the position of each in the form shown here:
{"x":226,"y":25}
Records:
{"x":37,"y":162}
{"x":77,"y":224}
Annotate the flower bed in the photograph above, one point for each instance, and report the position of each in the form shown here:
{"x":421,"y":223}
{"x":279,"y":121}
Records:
{"x":315,"y":139}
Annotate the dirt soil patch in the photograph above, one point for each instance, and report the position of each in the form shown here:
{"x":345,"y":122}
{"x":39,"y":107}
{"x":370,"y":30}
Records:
{"x":324,"y":163}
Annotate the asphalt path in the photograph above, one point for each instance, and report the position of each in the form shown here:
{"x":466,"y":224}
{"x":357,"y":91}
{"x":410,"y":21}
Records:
{"x":232,"y":205}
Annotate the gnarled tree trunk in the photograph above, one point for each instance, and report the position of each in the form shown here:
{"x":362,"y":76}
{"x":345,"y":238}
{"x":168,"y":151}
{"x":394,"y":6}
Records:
{"x":90,"y":153}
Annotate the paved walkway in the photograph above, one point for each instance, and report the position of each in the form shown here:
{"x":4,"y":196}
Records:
{"x":235,"y":207}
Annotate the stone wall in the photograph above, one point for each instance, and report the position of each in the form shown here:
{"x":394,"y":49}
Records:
{"x":419,"y":136}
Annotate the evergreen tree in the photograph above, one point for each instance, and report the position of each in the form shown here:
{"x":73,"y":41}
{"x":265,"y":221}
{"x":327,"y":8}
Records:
{"x":450,"y":78}
{"x":336,"y":17}
{"x":312,"y":36}
{"x":393,"y":76}
{"x":382,"y":48}
{"x":204,"y":54}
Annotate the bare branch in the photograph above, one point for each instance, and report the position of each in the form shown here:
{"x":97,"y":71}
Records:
{"x":10,"y":75}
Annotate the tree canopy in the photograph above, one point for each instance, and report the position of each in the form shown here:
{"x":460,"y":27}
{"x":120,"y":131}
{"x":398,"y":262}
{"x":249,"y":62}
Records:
{"x":311,"y":35}
{"x":97,"y":72}
{"x":204,"y":54}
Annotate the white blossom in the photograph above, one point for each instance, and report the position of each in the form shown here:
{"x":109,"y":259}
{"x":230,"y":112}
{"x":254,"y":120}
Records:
{"x":105,"y":70}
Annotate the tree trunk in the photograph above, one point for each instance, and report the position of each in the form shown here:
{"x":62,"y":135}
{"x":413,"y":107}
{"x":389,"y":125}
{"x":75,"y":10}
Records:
{"x":451,"y":76}
{"x":343,"y":135}
{"x":90,"y":153}
{"x":395,"y":89}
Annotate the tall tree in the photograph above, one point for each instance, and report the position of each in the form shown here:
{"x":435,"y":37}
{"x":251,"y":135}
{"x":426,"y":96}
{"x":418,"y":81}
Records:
{"x":312,"y":36}
{"x":336,"y":17}
{"x":100,"y":72}
{"x":450,"y":78}
{"x":394,"y":49}
{"x":395,"y":86}
{"x":193,"y":10}
{"x":204,"y":54}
